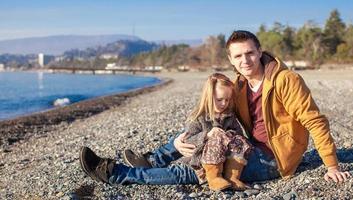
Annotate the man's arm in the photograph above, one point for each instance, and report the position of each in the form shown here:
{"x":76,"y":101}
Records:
{"x":299,"y":103}
{"x":335,"y":174}
{"x":184,"y":148}
{"x":188,"y":149}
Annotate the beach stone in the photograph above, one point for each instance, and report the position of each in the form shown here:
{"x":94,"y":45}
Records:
{"x":348,"y":144}
{"x":251,"y":192}
{"x":227,"y":195}
{"x":239,"y":194}
{"x":193,"y":195}
{"x":257,"y":187}
{"x":292,"y":195}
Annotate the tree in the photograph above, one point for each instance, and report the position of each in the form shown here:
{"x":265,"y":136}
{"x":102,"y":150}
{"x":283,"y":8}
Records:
{"x":288,"y":47}
{"x":272,"y":40}
{"x":213,"y":50}
{"x":333,"y":32}
{"x":309,"y":40}
{"x":344,"y":52}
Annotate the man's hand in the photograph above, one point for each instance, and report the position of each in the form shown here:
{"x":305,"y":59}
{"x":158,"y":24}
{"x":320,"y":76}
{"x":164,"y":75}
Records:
{"x":184,"y":148}
{"x":336,"y":175}
{"x":215,"y":131}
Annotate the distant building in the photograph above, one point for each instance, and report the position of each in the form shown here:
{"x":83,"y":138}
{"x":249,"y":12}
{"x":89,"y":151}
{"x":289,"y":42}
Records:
{"x":183,"y":68}
{"x":297,"y":64}
{"x":43,"y":59}
{"x":111,"y":66}
{"x":59,"y":58}
{"x":2,"y":67}
{"x":154,"y":68}
{"x":108,"y":56}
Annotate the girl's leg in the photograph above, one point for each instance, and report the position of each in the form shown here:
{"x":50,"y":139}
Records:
{"x":212,"y":159}
{"x":215,"y":149}
{"x":171,"y":175}
{"x":238,"y":148}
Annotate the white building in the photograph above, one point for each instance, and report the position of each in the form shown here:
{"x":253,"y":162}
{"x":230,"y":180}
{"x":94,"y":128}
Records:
{"x":296,"y":64}
{"x":43,"y":59}
{"x":108,"y":56}
{"x":2,"y":67}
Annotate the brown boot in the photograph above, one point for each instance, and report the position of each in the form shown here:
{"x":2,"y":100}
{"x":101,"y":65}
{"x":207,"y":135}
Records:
{"x":214,"y":177}
{"x":232,"y":172}
{"x":135,"y":160}
{"x":99,"y":169}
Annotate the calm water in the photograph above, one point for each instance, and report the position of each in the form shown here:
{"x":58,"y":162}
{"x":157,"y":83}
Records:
{"x":27,"y":92}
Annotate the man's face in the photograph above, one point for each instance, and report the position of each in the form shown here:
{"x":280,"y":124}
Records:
{"x":246,"y":58}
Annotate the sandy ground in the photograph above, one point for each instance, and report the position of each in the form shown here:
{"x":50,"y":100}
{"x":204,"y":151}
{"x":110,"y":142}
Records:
{"x":46,"y":165}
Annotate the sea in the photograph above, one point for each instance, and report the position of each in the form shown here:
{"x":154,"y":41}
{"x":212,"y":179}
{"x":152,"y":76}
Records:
{"x":23,"y":93}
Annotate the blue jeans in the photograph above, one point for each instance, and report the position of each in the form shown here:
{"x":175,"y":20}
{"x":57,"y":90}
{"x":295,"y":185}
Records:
{"x":161,"y":172}
{"x":259,"y":168}
{"x":171,"y":175}
{"x":164,"y":155}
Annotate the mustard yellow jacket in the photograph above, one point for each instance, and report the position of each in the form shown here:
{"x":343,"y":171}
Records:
{"x":290,"y":114}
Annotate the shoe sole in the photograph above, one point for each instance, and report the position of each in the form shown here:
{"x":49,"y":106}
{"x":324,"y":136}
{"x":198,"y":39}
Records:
{"x":83,"y":166}
{"x":125,"y":159}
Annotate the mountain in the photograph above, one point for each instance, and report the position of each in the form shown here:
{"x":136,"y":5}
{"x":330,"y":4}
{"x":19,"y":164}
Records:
{"x":58,"y":44}
{"x":120,"y":47}
{"x":191,"y":42}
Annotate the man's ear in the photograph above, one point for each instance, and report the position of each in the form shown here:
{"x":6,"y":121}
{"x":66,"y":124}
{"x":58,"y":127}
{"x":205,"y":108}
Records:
{"x":260,"y":50}
{"x":230,"y":59}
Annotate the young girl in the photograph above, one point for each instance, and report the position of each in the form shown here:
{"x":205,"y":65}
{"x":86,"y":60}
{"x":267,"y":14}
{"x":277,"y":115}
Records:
{"x":221,"y":149}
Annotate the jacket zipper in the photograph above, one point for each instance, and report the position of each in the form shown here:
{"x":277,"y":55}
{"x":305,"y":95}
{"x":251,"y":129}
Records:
{"x":268,"y":133}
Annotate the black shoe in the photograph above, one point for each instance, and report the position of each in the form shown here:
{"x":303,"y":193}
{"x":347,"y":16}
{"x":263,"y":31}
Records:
{"x":99,"y":169}
{"x":134,"y":160}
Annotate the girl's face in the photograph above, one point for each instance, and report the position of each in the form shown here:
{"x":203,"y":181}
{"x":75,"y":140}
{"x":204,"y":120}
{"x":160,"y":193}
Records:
{"x":221,"y":97}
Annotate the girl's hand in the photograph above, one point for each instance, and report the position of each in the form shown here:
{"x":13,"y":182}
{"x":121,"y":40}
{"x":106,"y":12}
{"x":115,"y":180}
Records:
{"x":333,"y":173}
{"x":215,"y":131}
{"x":184,"y":148}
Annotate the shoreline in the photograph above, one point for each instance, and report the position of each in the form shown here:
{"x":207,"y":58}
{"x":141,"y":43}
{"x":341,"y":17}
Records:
{"x":22,"y":127}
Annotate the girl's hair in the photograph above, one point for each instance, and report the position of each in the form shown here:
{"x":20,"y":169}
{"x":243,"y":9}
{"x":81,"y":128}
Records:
{"x":206,"y":102}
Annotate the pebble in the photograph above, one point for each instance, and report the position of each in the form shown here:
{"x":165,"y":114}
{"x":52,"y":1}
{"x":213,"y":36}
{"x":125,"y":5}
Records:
{"x":193,"y":195}
{"x":240,"y":194}
{"x":59,"y":194}
{"x":292,"y":195}
{"x":251,"y":192}
{"x":347,"y":144}
{"x":257,"y":187}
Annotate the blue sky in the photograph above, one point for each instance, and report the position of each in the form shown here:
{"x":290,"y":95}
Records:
{"x":159,"y":19}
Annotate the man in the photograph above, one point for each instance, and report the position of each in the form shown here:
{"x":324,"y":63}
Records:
{"x":278,"y":112}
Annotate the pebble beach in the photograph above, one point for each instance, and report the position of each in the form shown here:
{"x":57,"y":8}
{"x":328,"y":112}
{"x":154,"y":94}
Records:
{"x":44,"y":163}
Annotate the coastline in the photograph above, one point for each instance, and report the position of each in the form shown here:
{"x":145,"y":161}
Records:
{"x":19,"y":128}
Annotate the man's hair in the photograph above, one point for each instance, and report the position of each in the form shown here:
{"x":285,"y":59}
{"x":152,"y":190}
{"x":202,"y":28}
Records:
{"x":241,"y":36}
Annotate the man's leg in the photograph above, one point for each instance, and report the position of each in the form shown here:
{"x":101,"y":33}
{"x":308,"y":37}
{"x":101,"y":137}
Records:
{"x":171,"y":175}
{"x":159,"y":158}
{"x":259,"y":168}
